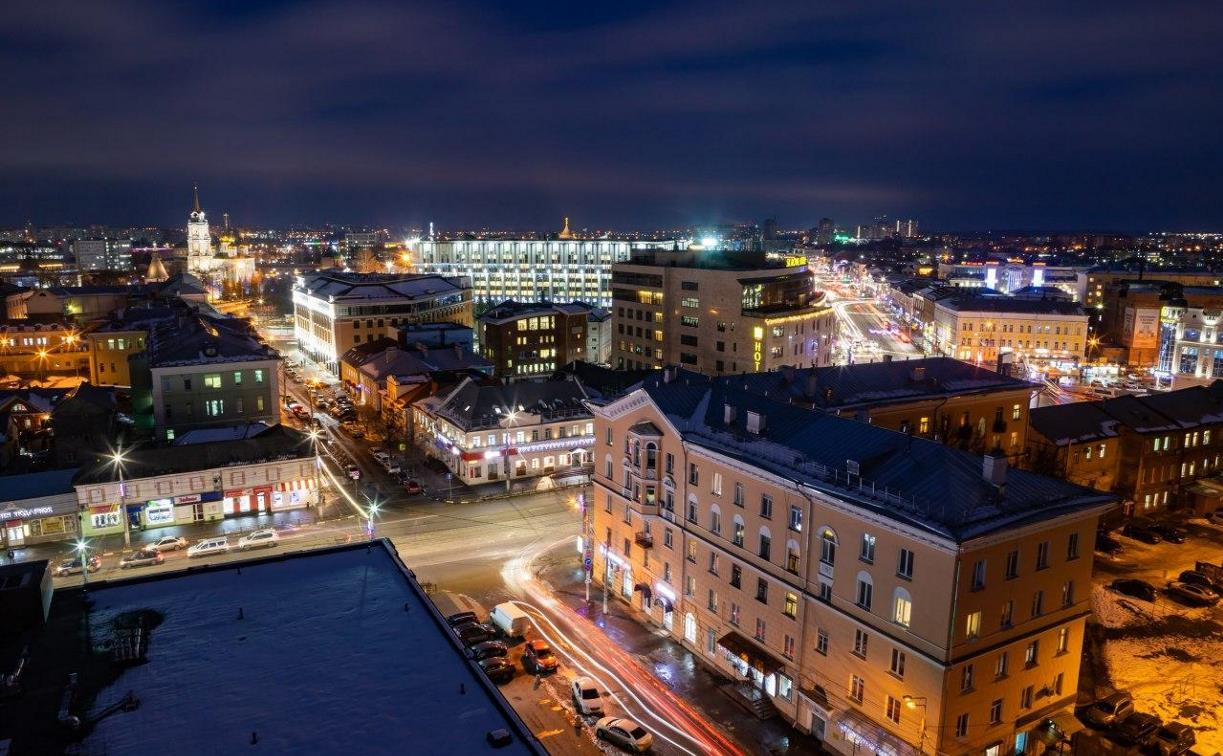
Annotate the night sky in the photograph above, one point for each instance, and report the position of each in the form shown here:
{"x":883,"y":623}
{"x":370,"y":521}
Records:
{"x":966,"y":115}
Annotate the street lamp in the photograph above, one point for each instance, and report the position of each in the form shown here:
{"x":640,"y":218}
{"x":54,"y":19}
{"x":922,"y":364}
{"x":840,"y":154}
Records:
{"x":117,"y":459}
{"x":912,"y":702}
{"x":510,"y":419}
{"x":81,"y":547}
{"x":314,"y":435}
{"x":581,"y":505}
{"x":371,"y":511}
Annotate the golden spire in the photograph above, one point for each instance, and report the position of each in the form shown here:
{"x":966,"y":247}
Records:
{"x":565,"y":232}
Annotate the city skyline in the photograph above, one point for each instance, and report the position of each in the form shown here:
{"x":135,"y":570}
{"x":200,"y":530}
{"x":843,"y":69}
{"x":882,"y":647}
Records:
{"x":641,"y":116}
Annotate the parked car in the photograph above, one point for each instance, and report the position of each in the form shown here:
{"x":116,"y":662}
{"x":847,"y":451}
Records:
{"x":74,"y":566}
{"x":1169,"y":533}
{"x":412,"y":486}
{"x":509,"y":619}
{"x":1109,"y":710}
{"x":353,"y":471}
{"x":1106,"y":544}
{"x":472,"y":633}
{"x":489,"y":649}
{"x":1193,"y":595}
{"x":392,"y":468}
{"x":209,"y":546}
{"x":260,"y":539}
{"x":380,"y":454}
{"x":1137,"y":729}
{"x":1139,"y":589}
{"x":1197,"y":578}
{"x":1173,"y":738}
{"x":537,"y":657}
{"x":586,"y":696}
{"x":168,"y":543}
{"x":1215,"y":517}
{"x":498,"y":668}
{"x":625,"y":733}
{"x":1141,"y":532}
{"x":461,"y":618}
{"x":141,"y":558}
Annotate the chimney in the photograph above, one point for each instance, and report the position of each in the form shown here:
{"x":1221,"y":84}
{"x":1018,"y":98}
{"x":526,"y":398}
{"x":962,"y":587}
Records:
{"x":755,"y":422}
{"x":919,"y":374}
{"x":993,"y":469}
{"x":728,"y":413}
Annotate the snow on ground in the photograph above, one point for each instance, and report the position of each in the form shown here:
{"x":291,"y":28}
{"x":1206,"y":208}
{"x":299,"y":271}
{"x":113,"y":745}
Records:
{"x":1169,"y":657}
{"x":333,"y":652}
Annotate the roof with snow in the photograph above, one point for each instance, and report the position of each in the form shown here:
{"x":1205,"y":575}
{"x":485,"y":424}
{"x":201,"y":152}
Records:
{"x":472,"y":406}
{"x":922,"y":483}
{"x":195,"y":339}
{"x":329,"y":651}
{"x":511,"y":310}
{"x":1008,"y":304}
{"x":1183,"y":409}
{"x":336,"y":286}
{"x":395,"y":361}
{"x":224,"y":433}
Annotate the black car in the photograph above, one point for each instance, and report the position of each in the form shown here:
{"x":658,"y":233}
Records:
{"x":1197,"y":578}
{"x":1139,"y":589}
{"x":472,"y":633}
{"x":1169,"y":533}
{"x":1141,"y":532}
{"x":498,"y":668}
{"x":488,"y":649}
{"x":461,"y":618}
{"x":1137,"y":729}
{"x":1106,"y":544}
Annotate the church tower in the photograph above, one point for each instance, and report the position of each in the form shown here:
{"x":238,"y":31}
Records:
{"x":199,"y":241}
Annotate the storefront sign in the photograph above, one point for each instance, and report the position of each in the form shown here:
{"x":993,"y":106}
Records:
{"x":159,"y":512}
{"x":27,"y":513}
{"x":197,"y":498}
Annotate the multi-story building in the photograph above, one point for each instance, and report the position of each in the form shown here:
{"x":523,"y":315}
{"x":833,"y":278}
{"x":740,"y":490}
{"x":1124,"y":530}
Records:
{"x":564,"y":269}
{"x":886,"y":593}
{"x":369,"y":374}
{"x":119,"y":338}
{"x":1149,"y":450}
{"x":599,"y":336}
{"x":1099,"y":280}
{"x":334,"y":311}
{"x":1008,"y":277}
{"x":245,"y":469}
{"x":200,"y":372}
{"x":718,"y":313}
{"x":103,"y":254}
{"x":939,"y":398}
{"x":532,"y":339}
{"x":486,"y":433}
{"x":39,"y":350}
{"x":1190,"y":347}
{"x":1143,"y":319}
{"x":979,"y":329}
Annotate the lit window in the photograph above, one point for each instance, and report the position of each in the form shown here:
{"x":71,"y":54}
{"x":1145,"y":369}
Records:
{"x":212,"y":380}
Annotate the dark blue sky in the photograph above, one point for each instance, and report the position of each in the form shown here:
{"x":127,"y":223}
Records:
{"x":966,"y":115}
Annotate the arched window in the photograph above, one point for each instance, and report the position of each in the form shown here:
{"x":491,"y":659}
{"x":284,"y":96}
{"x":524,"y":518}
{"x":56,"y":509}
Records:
{"x":828,"y":546}
{"x":792,"y":556}
{"x":766,"y":544}
{"x":651,"y":456}
{"x":715,"y":519}
{"x":865,"y":595}
{"x":902,"y":607}
{"x":736,"y":536}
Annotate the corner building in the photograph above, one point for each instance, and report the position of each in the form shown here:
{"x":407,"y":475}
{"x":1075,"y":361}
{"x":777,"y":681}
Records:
{"x":885,"y":593}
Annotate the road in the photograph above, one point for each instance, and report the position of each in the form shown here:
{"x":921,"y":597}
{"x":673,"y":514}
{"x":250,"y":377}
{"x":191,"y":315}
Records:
{"x":863,"y":319}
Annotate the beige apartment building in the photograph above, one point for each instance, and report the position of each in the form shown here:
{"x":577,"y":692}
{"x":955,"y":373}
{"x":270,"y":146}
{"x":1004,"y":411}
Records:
{"x":884,"y":593}
{"x":717,"y":313}
{"x":979,"y":329}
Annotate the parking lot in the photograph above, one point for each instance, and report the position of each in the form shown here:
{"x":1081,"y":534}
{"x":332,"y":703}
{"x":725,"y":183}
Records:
{"x":1167,"y":654}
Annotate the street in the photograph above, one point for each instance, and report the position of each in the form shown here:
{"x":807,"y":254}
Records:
{"x":865,"y":323}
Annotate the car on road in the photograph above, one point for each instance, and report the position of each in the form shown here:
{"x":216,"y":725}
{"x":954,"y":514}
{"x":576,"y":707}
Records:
{"x":209,"y":546}
{"x":141,"y":558}
{"x":625,"y":733}
{"x":1170,"y":533}
{"x":498,"y":668}
{"x":1109,"y":710}
{"x":169,"y":543}
{"x":537,"y":657}
{"x":74,"y":566}
{"x":1193,"y":595}
{"x":1134,"y":588}
{"x":489,"y":649}
{"x":412,"y":486}
{"x":586,"y":696}
{"x":392,"y":468}
{"x":1106,"y":544}
{"x":472,"y":633}
{"x":1137,"y":729}
{"x":1197,"y":578}
{"x":1173,"y":738}
{"x":380,"y":454}
{"x":1141,"y":532}
{"x":1215,"y":517}
{"x":353,"y":471}
{"x":461,"y":618}
{"x":260,"y":539}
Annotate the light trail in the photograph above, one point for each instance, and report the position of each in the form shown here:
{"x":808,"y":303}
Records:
{"x":518,"y":574}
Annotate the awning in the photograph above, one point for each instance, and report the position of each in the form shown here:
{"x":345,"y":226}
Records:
{"x":756,"y":657}
{"x":867,"y":736}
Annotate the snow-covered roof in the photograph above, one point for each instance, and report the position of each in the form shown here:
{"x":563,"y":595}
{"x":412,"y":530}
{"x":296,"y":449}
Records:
{"x":330,"y":651}
{"x":336,"y":286}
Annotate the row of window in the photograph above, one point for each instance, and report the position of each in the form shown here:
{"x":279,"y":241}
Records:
{"x":216,"y":381}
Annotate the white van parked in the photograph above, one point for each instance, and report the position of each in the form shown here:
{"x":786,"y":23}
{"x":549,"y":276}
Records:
{"x":209,"y":546}
{"x":510,"y":620}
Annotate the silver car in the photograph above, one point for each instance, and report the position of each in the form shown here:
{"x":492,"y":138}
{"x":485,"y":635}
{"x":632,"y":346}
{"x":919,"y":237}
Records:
{"x":168,"y":543}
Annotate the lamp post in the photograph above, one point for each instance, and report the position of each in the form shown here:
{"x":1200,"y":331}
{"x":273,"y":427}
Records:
{"x":371,"y":511}
{"x":587,"y":548}
{"x":117,"y":459}
{"x":912,"y":702}
{"x":314,"y":435}
{"x":81,"y":547}
{"x":510,"y":419}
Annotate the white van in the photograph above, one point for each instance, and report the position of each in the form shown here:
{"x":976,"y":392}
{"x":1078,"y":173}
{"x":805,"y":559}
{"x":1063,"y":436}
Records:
{"x":510,"y":620}
{"x":209,"y":546}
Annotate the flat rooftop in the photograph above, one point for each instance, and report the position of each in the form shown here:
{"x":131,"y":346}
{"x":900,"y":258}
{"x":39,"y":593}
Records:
{"x":330,"y":651}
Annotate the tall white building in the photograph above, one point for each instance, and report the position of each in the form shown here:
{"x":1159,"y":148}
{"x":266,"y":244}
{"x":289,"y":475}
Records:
{"x":199,"y":240}
{"x":564,"y":269}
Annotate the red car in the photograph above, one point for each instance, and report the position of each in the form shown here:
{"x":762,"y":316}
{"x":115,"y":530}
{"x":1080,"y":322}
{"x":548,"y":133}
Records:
{"x":412,"y":487}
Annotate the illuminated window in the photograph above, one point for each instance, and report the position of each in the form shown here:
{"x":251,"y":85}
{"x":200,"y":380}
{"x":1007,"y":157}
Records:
{"x":212,"y":380}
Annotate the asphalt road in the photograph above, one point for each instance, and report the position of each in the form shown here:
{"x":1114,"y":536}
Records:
{"x":864,"y":319}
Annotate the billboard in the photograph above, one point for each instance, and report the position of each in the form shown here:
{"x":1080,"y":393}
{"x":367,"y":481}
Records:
{"x":1141,"y":327}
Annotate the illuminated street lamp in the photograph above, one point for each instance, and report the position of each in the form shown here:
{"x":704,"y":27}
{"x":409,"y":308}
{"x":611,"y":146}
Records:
{"x":371,"y":511}
{"x":314,"y":436}
{"x":912,"y":702}
{"x":81,"y":547}
{"x":117,"y":459}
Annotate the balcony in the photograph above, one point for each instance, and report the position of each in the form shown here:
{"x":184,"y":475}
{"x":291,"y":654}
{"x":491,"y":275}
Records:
{"x":644,"y":539}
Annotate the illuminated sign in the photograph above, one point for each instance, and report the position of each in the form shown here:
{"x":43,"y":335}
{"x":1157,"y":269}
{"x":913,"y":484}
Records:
{"x":26,"y":513}
{"x":757,"y":346}
{"x":159,"y":512}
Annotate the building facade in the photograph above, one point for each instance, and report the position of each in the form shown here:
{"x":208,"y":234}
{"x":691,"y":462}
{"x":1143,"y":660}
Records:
{"x":789,"y":550}
{"x":103,"y":254}
{"x":717,"y":313}
{"x":39,"y":350}
{"x":200,"y":257}
{"x":1008,"y":277}
{"x":486,"y":434}
{"x":38,"y":508}
{"x":334,"y":311}
{"x":979,"y":329}
{"x":530,"y":339}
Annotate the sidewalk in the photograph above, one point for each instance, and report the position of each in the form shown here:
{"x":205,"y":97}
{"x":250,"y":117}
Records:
{"x":674,"y":665}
